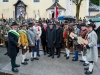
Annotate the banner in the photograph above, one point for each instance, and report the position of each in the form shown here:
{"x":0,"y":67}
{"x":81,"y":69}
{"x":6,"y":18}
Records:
{"x":56,"y":12}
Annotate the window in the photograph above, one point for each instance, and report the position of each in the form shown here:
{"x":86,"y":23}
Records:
{"x":5,"y":0}
{"x":55,"y":0}
{"x":36,"y":0}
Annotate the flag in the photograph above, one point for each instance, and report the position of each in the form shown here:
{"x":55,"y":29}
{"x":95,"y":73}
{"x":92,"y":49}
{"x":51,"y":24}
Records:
{"x":56,"y":12}
{"x":69,"y":7}
{"x":2,"y":17}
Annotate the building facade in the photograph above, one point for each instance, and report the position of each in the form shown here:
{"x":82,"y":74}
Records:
{"x":40,"y":8}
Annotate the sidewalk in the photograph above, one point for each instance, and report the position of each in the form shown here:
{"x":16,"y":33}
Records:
{"x":48,"y":66}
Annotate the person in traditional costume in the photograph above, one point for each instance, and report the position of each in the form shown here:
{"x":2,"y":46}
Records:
{"x":92,"y":50}
{"x":32,"y":38}
{"x":66,"y":40}
{"x":24,"y":43}
{"x":98,"y":34}
{"x":84,"y":34}
{"x":14,"y":44}
{"x":59,"y":38}
{"x":75,"y":42}
{"x":5,"y":32}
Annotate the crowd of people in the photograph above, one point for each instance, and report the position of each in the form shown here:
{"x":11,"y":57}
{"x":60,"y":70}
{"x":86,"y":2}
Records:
{"x":53,"y":36}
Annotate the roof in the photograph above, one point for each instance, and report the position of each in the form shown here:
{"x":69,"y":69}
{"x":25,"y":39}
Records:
{"x":93,"y":7}
{"x":59,"y":6}
{"x":18,"y":2}
{"x":98,"y":15}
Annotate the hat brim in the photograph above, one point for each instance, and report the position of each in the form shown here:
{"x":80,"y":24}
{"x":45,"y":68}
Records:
{"x":15,"y":25}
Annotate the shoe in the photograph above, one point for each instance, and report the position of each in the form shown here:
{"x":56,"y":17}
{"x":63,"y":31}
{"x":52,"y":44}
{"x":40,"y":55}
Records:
{"x":58,"y":56}
{"x":38,"y":55}
{"x":67,"y":57}
{"x":44,"y":53}
{"x":26,"y":59}
{"x":49,"y":55}
{"x":88,"y":72}
{"x":52,"y":57}
{"x":36,"y":58}
{"x":17,"y":65}
{"x":74,"y":59}
{"x":15,"y":70}
{"x":24,"y":63}
{"x":85,"y":64}
{"x":6,"y":53}
{"x":32,"y":59}
{"x":81,"y":61}
{"x":86,"y":68}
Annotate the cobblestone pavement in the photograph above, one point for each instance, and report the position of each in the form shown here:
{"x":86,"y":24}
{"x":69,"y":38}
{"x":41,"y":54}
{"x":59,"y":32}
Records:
{"x":48,"y":66}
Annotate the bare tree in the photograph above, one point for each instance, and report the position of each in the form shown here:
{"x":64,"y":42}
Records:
{"x":78,"y":5}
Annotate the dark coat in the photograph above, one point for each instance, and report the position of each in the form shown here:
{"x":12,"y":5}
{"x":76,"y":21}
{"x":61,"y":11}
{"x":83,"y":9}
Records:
{"x":12,"y":45}
{"x":98,"y":34}
{"x":43,"y":37}
{"x":59,"y":37}
{"x":51,"y":37}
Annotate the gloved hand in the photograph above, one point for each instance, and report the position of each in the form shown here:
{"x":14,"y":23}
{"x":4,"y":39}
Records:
{"x":87,"y":46}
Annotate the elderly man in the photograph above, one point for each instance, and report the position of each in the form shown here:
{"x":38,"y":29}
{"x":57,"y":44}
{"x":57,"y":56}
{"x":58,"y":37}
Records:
{"x":92,"y":50}
{"x":51,"y":39}
{"x":43,"y":38}
{"x":14,"y":44}
{"x":32,"y":37}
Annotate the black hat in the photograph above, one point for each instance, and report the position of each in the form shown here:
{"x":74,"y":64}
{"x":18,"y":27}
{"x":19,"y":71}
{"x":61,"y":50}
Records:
{"x":14,"y":24}
{"x":24,"y":24}
{"x":83,"y":24}
{"x":89,"y":25}
{"x":57,"y":23}
{"x":30,"y":24}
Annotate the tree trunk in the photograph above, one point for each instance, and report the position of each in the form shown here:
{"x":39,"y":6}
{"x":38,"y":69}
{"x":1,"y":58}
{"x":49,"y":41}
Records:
{"x":77,"y":12}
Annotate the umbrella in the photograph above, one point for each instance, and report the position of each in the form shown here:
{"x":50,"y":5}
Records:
{"x":95,"y":19}
{"x":69,"y":18}
{"x":60,"y":18}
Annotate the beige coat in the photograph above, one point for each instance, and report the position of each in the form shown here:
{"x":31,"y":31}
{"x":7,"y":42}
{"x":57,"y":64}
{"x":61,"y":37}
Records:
{"x":92,"y":53}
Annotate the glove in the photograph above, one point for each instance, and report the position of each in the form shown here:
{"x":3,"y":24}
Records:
{"x":87,"y":46}
{"x":24,"y":47}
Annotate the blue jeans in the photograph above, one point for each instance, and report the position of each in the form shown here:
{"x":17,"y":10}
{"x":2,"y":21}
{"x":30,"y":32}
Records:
{"x":38,"y":47}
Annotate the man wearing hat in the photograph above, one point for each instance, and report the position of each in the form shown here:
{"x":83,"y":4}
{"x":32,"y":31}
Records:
{"x":66,"y":40}
{"x":14,"y":44}
{"x":39,"y":32}
{"x":59,"y":33}
{"x":92,"y":50}
{"x":75,"y":42}
{"x":84,"y":34}
{"x":5,"y":32}
{"x":51,"y":39}
{"x":24,"y":43}
{"x":32,"y":37}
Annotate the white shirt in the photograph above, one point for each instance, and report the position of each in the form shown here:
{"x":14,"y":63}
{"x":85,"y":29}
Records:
{"x":38,"y":30}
